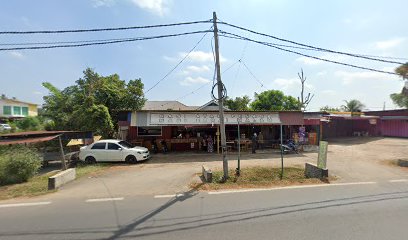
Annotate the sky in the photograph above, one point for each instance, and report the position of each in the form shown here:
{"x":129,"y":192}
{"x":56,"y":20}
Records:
{"x":360,"y":27}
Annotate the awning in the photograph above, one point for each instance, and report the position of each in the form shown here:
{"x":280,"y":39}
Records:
{"x":26,"y":140}
{"x":291,"y":118}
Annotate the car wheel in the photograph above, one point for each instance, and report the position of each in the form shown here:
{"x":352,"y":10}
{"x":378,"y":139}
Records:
{"x":131,"y":159}
{"x":90,"y":160}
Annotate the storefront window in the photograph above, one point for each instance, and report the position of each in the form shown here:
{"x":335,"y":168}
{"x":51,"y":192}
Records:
{"x":149,"y":131}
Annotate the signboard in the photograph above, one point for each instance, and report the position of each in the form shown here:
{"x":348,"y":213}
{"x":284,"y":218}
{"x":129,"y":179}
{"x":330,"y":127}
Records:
{"x":322,"y":158}
{"x":200,"y":118}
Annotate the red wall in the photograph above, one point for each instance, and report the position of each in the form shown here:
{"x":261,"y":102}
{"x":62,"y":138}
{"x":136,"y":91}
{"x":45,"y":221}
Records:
{"x":345,"y":128}
{"x":394,"y":128}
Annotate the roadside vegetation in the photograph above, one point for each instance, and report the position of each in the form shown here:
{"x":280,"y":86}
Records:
{"x":18,"y":164}
{"x":38,"y":185}
{"x":256,"y":177}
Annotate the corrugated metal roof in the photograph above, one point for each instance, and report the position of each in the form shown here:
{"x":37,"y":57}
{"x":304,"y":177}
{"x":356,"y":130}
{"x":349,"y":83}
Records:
{"x":31,"y":133}
{"x":394,"y":117}
{"x":26,"y":140}
{"x":165,"y":105}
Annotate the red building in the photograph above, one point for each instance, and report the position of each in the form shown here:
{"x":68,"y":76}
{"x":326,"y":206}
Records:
{"x":393,"y":123}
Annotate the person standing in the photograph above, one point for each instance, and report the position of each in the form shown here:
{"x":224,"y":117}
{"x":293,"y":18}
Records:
{"x":254,"y":143}
{"x":210,"y":144}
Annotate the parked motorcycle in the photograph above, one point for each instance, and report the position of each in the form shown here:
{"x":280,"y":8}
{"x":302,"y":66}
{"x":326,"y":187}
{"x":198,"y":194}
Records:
{"x":154,"y":146}
{"x":164,"y":146}
{"x":290,"y":147}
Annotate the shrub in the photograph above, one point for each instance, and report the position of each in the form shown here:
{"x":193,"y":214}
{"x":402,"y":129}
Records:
{"x":18,"y":164}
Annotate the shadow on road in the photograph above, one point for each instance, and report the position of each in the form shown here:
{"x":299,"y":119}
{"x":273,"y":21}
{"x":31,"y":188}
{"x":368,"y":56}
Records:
{"x":167,"y":225}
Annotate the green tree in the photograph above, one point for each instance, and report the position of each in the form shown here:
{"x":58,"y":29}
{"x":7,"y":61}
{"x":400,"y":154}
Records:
{"x":274,"y":100}
{"x":93,"y":103}
{"x":402,"y":71}
{"x":238,"y":104}
{"x":401,"y":99}
{"x":329,"y":109}
{"x":29,"y":123}
{"x":353,"y":105}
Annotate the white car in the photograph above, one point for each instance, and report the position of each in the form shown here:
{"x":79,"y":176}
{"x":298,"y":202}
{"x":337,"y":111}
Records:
{"x":4,"y":127}
{"x":113,"y":151}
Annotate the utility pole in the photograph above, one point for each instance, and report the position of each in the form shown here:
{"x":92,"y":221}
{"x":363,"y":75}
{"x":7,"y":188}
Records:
{"x":220,"y":101}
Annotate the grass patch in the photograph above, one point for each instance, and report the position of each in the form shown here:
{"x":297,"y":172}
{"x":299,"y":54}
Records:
{"x":83,"y":169}
{"x":254,"y":177}
{"x":38,"y":185}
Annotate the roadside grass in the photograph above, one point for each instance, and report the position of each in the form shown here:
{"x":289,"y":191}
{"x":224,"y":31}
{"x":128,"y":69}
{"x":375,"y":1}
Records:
{"x":256,"y":177}
{"x":38,"y":185}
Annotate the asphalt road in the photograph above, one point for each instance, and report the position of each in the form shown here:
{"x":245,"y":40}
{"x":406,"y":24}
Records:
{"x":367,"y":210}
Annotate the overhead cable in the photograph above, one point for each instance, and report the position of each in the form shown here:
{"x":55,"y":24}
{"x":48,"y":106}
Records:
{"x":102,"y":29}
{"x":309,"y":46}
{"x":103,"y":42}
{"x":178,"y":64}
{"x":235,"y":36}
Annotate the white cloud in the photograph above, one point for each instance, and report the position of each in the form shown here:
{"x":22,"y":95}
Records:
{"x":322,"y":73}
{"x":291,"y":83}
{"x":200,"y":56}
{"x":308,"y":61}
{"x":196,"y":69}
{"x":188,"y":81}
{"x":103,"y":3}
{"x":159,"y":7}
{"x":312,"y":61}
{"x":16,"y":55}
{"x":195,"y":56}
{"x":383,"y":45}
{"x":350,"y":77}
{"x":329,"y":92}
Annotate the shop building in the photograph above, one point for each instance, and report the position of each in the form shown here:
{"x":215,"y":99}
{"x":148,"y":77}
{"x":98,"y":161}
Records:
{"x":188,"y":128}
{"x":392,"y":123}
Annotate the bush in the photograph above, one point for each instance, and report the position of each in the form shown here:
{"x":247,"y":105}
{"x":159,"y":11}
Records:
{"x":18,"y":164}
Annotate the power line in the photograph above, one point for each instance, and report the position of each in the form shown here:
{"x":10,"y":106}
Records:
{"x":235,"y":36}
{"x":309,"y":46}
{"x":103,"y":29}
{"x":205,"y":84}
{"x":62,"y":42}
{"x":103,"y":42}
{"x":178,"y":64}
{"x":253,"y":76}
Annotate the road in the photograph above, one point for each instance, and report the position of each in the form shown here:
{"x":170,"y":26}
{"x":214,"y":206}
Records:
{"x":364,"y":210}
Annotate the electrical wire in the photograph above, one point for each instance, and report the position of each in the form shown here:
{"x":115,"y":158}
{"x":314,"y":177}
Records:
{"x":309,"y":46}
{"x":178,"y":64}
{"x":103,"y":42}
{"x":199,"y":88}
{"x":253,"y":76}
{"x":235,"y":36}
{"x":103,"y":29}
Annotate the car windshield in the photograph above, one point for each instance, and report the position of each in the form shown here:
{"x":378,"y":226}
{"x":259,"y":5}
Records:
{"x":125,"y":144}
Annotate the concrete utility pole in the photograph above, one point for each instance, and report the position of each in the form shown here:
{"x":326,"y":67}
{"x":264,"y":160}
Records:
{"x":63,"y":164}
{"x":220,"y":100}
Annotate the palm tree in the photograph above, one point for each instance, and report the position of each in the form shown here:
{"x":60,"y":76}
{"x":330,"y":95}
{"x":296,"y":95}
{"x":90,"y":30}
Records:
{"x":353,"y":105}
{"x":402,"y":71}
